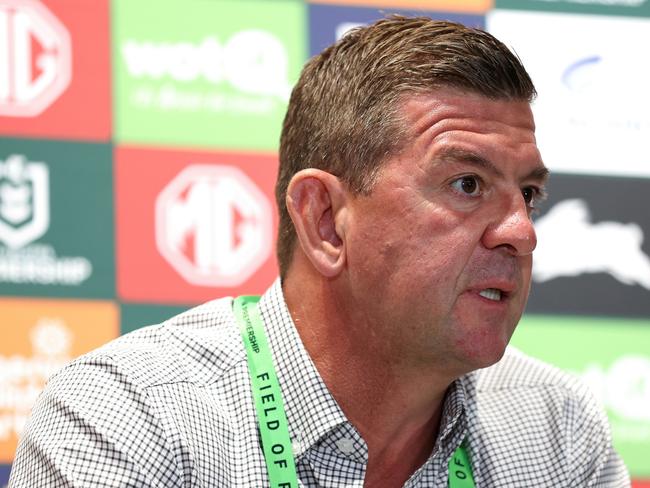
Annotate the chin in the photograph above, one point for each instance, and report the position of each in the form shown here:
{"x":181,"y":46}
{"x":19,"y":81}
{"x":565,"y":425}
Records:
{"x":483,"y":355}
{"x":494,"y":357}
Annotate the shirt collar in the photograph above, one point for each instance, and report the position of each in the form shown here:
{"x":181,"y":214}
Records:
{"x":453,"y":412}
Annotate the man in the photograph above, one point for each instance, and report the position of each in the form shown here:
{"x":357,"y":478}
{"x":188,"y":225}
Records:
{"x":408,"y":175}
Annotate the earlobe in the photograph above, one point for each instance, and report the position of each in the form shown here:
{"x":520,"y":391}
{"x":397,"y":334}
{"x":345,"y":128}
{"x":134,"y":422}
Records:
{"x":316,"y":204}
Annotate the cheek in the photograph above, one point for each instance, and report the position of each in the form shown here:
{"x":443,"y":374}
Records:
{"x":443,"y":238}
{"x":526,"y":264}
{"x":420,"y":243}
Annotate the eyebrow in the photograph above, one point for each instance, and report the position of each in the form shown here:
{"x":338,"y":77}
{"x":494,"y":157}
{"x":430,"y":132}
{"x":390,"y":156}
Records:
{"x":455,"y":154}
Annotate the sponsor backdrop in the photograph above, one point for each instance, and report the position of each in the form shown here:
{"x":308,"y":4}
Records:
{"x":138,"y":152}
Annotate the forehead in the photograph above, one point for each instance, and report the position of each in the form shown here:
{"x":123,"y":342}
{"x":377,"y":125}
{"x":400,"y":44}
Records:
{"x":420,"y":111}
{"x":469,"y":123}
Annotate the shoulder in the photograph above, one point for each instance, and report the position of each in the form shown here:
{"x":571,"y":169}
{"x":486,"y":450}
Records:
{"x":142,"y":389}
{"x":152,"y":373}
{"x":549,"y":420}
{"x":198,"y":346}
{"x":536,"y":388}
{"x":518,"y":370}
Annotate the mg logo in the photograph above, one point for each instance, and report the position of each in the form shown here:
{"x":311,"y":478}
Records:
{"x":35,"y":58}
{"x":24,"y":201}
{"x":213,"y":225}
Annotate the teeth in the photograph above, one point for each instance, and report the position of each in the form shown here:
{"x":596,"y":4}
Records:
{"x":491,"y":294}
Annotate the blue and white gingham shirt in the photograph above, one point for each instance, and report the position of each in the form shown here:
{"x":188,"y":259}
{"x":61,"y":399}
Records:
{"x":171,"y":406}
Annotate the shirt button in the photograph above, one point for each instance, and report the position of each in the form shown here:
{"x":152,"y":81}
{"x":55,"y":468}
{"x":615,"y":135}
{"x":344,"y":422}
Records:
{"x":345,"y":445}
{"x":297,"y":446}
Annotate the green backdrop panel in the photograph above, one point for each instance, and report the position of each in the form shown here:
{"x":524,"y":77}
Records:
{"x":205,"y":73}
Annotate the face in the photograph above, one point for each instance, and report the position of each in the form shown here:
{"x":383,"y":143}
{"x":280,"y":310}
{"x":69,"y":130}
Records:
{"x":439,"y":254}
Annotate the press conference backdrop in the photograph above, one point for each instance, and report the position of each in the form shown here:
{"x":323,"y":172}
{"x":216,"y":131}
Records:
{"x":138,"y":152}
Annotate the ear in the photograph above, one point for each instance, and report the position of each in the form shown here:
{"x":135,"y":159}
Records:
{"x":316,"y":203}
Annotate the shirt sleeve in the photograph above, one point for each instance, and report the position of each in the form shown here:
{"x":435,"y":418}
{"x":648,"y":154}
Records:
{"x":92,"y":426}
{"x":613,"y":474}
{"x":593,"y":460}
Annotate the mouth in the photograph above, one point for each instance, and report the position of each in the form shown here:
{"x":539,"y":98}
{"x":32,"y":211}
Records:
{"x":493,"y":294}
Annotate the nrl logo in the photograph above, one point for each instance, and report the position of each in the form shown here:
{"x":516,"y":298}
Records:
{"x":24,"y":201}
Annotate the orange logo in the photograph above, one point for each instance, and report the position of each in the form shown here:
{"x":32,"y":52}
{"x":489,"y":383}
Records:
{"x":467,"y":6}
{"x":40,"y":337}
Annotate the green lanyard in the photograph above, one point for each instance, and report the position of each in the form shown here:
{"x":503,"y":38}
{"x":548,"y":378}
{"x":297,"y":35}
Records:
{"x":271,"y":416}
{"x":460,"y":470}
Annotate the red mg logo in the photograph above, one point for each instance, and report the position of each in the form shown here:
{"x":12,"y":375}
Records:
{"x":213,"y":225}
{"x":35,"y":58}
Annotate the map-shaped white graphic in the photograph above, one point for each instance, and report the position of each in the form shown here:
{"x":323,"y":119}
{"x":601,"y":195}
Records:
{"x":571,"y":245}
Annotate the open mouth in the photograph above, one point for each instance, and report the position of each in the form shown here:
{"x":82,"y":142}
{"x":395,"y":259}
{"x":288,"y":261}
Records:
{"x":493,"y":294}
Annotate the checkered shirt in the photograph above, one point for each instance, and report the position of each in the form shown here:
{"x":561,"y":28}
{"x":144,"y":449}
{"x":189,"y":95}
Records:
{"x":170,"y":406}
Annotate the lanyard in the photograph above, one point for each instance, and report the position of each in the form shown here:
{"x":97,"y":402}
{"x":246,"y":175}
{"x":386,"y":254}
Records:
{"x":271,"y":416}
{"x":460,"y":470}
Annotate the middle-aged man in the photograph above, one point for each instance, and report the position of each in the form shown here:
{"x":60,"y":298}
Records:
{"x":408,"y":175}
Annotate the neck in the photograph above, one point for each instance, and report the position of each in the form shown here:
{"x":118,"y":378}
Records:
{"x":395,"y":406}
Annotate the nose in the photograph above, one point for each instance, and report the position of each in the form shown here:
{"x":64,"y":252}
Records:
{"x":511,"y":228}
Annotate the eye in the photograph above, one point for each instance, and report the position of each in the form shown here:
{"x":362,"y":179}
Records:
{"x":468,"y":185}
{"x":532,"y":196}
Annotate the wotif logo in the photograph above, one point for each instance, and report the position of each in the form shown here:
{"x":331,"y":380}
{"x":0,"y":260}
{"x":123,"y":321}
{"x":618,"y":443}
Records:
{"x":35,"y":58}
{"x":213,"y":225}
{"x":252,"y":61}
{"x":570,"y":245}
{"x":24,"y":201}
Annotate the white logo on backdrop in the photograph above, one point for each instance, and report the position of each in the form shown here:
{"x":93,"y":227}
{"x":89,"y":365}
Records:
{"x":624,"y":388}
{"x":253,"y":62}
{"x":593,"y":112}
{"x":24,"y":201}
{"x":31,"y":79}
{"x":609,"y":3}
{"x":571,"y":245}
{"x":213,"y":225}
{"x":24,"y":218}
{"x":22,"y":377}
{"x":345,"y":27}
